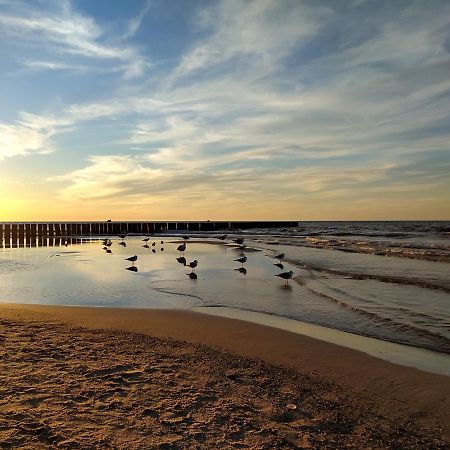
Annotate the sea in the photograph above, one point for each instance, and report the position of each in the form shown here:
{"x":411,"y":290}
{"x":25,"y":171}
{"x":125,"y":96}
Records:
{"x":384,"y":280}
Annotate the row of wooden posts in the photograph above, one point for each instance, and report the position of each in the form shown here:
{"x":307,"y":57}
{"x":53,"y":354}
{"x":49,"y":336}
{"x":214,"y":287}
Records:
{"x":64,"y":229}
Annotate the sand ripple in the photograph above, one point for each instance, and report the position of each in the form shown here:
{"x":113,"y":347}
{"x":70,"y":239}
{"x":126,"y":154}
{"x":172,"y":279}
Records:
{"x":77,"y":388}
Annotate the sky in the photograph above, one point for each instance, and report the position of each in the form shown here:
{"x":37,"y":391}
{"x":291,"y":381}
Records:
{"x":228,"y":109}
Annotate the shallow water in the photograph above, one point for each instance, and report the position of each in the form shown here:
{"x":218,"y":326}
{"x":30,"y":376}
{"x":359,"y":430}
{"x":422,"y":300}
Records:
{"x":331,"y":288}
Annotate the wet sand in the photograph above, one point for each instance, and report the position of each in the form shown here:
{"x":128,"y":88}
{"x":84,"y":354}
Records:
{"x":119,"y":378}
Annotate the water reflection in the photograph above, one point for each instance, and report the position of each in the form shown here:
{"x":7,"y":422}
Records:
{"x":23,"y":241}
{"x":92,"y":276}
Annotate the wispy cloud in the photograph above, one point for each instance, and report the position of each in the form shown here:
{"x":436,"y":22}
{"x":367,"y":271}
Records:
{"x":135,"y":23}
{"x":66,"y":33}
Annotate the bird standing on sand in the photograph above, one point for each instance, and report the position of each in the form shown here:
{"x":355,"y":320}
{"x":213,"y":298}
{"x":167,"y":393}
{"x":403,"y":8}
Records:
{"x":145,"y":240}
{"x":242,"y":260}
{"x":153,"y":244}
{"x":133,"y":259}
{"x":182,"y":247}
{"x":123,"y":244}
{"x":193,"y":264}
{"x":286,"y":276}
{"x":186,"y":238}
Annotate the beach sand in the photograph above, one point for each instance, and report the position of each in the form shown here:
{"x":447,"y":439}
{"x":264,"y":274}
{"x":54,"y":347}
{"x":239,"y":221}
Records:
{"x":80,"y":378}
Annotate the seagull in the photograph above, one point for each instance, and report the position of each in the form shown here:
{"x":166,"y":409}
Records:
{"x":193,"y":264}
{"x":280,"y":256}
{"x":145,"y":240}
{"x":153,"y":244}
{"x":279,"y":265}
{"x":162,"y":249}
{"x":133,"y":259}
{"x":153,"y":250}
{"x":192,"y":275}
{"x":182,"y":247}
{"x":242,"y":270}
{"x":286,"y":276}
{"x":162,"y":242}
{"x":242,"y":259}
{"x":132,"y":268}
{"x":182,"y":260}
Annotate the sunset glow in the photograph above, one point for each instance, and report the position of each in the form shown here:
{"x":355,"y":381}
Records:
{"x":224,"y":110}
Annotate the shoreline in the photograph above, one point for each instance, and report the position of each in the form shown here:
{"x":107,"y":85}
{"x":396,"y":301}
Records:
{"x":396,"y":353}
{"x":402,"y":393}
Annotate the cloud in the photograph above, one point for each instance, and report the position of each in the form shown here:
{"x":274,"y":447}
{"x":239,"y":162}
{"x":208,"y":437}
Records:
{"x":68,"y":34}
{"x":135,"y":23}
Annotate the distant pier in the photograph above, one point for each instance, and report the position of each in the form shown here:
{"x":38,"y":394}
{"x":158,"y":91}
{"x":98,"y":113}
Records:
{"x":31,"y":234}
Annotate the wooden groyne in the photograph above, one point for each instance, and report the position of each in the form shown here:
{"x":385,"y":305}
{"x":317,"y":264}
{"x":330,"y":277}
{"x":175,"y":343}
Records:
{"x":20,"y":234}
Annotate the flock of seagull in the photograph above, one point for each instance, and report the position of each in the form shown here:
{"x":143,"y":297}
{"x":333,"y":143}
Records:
{"x":286,"y":276}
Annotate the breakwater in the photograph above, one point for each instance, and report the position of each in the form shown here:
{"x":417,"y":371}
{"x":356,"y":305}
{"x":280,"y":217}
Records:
{"x":23,"y":234}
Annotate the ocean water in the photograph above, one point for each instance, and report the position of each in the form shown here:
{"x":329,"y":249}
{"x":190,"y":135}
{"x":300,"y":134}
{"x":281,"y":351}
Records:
{"x":387,"y":280}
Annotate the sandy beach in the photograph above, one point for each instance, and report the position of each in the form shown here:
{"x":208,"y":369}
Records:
{"x":76,"y":377}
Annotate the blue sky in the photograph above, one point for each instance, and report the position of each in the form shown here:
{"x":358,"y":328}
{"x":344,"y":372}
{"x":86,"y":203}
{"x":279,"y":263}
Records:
{"x":224,"y":109}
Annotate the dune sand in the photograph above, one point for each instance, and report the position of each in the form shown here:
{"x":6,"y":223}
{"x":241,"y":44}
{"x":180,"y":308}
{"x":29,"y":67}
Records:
{"x":115,"y":378}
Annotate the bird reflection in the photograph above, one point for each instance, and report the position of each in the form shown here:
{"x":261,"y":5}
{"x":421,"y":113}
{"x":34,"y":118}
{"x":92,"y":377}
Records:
{"x":162,"y":249}
{"x":192,"y":275}
{"x":124,"y":244}
{"x":146,"y":246}
{"x":222,"y":238}
{"x":132,"y":268}
{"x":242,"y":270}
{"x":182,"y":260}
{"x":108,"y":250}
{"x":279,"y":265}
{"x":186,"y":238}
{"x":153,"y":250}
